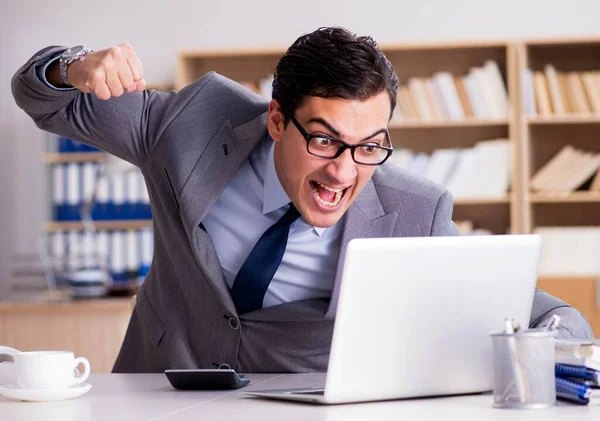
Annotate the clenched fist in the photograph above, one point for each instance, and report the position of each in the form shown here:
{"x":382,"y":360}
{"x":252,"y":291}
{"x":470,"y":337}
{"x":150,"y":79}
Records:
{"x":108,"y":73}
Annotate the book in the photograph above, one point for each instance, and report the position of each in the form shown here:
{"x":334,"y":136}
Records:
{"x":583,"y":375}
{"x":577,"y":392}
{"x":578,"y":348}
{"x":542,"y":95}
{"x":556,"y":97}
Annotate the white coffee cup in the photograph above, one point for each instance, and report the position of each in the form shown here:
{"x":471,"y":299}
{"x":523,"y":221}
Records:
{"x":49,"y":369}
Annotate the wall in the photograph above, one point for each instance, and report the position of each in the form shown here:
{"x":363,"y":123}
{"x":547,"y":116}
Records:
{"x":157,"y":31}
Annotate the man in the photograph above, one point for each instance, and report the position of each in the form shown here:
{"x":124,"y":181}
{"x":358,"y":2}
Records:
{"x":253,"y":202}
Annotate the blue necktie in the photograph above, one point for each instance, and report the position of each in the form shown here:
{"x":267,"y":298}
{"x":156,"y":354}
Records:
{"x":255,"y":275}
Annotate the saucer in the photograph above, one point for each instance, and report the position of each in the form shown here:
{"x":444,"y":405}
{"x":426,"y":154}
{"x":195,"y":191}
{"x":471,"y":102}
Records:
{"x":44,"y":395}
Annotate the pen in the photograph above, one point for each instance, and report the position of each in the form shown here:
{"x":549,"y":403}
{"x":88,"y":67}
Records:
{"x":553,"y":323}
{"x":514,"y":355}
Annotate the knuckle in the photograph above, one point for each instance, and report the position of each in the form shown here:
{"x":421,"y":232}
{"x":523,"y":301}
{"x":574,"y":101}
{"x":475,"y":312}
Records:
{"x":114,"y":52}
{"x":97,"y":74}
{"x":126,"y":47}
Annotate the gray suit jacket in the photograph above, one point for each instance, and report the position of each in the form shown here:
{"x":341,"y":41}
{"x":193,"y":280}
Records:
{"x":189,"y":145}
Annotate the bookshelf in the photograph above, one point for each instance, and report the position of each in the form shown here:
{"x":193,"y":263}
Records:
{"x":496,"y":214}
{"x":122,"y":236}
{"x":116,"y":225}
{"x":568,"y":118}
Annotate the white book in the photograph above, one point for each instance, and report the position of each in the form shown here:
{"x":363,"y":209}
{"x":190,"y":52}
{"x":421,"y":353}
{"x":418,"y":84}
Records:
{"x":74,"y":247}
{"x":397,"y":114}
{"x":88,"y":250}
{"x":89,"y":180}
{"x":266,"y":87}
{"x":147,"y":242}
{"x":402,"y":158}
{"x":475,"y":96}
{"x":487,"y":93}
{"x":143,"y":192}
{"x":117,"y":253}
{"x":581,"y":362}
{"x":445,"y":83}
{"x":419,"y":163}
{"x":103,"y":239}
{"x":494,"y":78}
{"x":417,"y":91}
{"x":118,"y":189}
{"x":58,"y":249}
{"x":133,"y":181}
{"x":492,"y":166}
{"x":73,"y":184}
{"x":462,"y":175}
{"x":133,"y":251}
{"x":103,"y":191}
{"x":58,"y":185}
{"x":440,"y":164}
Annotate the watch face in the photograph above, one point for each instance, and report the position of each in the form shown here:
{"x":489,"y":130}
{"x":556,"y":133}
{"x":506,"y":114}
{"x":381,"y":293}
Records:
{"x":74,"y":50}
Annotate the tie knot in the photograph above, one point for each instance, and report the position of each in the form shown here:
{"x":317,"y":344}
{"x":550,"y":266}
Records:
{"x":290,"y":216}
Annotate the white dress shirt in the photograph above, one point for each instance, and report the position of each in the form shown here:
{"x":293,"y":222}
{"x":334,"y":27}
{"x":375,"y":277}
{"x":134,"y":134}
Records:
{"x":252,"y":202}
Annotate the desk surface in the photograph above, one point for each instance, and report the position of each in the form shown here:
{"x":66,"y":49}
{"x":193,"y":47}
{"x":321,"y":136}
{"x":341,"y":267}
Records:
{"x":135,"y":397}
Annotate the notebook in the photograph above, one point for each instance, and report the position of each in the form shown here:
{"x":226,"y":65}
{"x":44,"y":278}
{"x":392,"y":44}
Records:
{"x":579,"y":374}
{"x":584,"y":353}
{"x":577,"y":392}
{"x":414,"y":316}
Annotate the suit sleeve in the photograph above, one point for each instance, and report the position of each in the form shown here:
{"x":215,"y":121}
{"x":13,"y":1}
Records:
{"x":125,"y":126}
{"x":442,"y":224}
{"x":573,"y":323}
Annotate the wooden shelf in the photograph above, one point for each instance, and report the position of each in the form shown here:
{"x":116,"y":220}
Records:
{"x":567,"y":119}
{"x":443,"y":124}
{"x":43,"y":303}
{"x":482,"y":201}
{"x":571,"y":197}
{"x":132,"y":224}
{"x":62,"y":158}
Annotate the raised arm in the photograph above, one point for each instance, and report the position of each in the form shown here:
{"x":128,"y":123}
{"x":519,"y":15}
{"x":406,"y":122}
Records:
{"x":106,"y":105}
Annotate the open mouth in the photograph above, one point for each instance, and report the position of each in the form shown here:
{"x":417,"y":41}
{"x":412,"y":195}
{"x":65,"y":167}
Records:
{"x":327,"y":196}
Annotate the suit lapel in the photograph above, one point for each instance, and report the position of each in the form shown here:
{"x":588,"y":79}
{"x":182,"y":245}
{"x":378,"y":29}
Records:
{"x":364,"y":219}
{"x":214,"y":170}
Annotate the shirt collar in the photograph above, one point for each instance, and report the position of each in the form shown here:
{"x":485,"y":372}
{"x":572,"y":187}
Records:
{"x":274,"y":197}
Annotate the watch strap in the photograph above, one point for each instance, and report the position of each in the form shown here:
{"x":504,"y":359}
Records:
{"x":65,"y":61}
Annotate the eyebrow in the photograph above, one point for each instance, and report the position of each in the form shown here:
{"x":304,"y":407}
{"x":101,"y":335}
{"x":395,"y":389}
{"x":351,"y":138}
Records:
{"x":337,"y":132}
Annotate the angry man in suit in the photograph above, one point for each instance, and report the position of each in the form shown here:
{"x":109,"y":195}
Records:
{"x":243,"y":189}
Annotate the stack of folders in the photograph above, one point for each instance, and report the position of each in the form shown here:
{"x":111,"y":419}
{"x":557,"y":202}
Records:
{"x":578,"y":371}
{"x":120,"y":196}
{"x":127,"y":254}
{"x":66,"y":145}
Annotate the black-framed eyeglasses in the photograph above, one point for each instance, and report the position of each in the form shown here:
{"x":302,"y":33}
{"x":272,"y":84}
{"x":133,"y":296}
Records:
{"x":329,"y":148}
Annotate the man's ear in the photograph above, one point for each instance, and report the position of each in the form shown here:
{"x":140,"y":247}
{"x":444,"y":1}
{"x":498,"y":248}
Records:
{"x":275,"y":121}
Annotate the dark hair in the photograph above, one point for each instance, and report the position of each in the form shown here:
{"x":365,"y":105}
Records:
{"x":332,"y":62}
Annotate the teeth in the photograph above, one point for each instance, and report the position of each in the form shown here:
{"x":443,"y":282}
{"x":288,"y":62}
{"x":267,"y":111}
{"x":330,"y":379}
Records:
{"x":337,"y":197}
{"x":329,"y":188}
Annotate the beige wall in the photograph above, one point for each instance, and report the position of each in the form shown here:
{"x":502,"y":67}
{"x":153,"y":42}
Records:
{"x":157,"y":32}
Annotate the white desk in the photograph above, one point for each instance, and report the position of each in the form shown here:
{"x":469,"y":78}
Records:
{"x":133,"y":397}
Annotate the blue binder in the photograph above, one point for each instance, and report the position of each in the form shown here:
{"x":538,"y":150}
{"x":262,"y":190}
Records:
{"x":577,"y":392}
{"x":578,"y":372}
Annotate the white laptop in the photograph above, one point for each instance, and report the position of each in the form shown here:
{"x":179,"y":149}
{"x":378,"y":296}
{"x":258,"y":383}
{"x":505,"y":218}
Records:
{"x":414,"y":316}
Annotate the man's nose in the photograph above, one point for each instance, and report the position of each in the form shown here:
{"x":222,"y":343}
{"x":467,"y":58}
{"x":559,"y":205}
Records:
{"x":343,"y":168}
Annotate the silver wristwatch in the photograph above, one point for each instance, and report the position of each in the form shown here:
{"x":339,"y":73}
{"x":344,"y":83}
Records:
{"x":68,"y":57}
